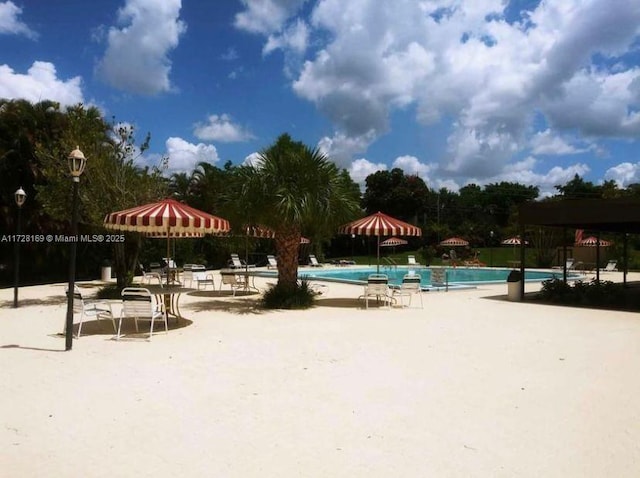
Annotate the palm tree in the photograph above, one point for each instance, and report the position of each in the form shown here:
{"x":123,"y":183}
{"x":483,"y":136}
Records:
{"x":290,"y":189}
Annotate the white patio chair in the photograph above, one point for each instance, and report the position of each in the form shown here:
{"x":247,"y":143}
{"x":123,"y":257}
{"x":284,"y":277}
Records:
{"x":611,"y":266}
{"x":377,"y":287}
{"x":97,"y":309}
{"x":203,"y":278}
{"x":147,"y":277}
{"x":140,"y":305}
{"x":313,"y":262}
{"x":409,"y":287}
{"x":272,"y":262}
{"x":234,"y":281}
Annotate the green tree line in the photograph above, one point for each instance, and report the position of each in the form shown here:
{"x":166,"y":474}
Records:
{"x":292,"y":189}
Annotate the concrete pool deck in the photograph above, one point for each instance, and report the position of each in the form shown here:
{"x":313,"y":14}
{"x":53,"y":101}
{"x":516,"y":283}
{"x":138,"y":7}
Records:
{"x":471,"y":385}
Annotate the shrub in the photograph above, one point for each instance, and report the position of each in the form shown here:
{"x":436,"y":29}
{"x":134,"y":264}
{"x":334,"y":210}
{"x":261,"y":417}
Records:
{"x":590,"y":294}
{"x":301,"y":296}
{"x":109,"y":291}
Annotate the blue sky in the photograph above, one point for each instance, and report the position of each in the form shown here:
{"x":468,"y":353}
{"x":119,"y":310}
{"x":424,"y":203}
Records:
{"x":457,"y":91}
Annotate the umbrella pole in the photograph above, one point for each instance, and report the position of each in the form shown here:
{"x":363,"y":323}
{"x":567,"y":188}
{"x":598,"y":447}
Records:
{"x":168,"y":252}
{"x":378,"y":264}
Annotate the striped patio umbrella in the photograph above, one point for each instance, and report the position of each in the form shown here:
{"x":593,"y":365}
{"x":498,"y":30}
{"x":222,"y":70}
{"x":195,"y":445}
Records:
{"x":512,"y":241}
{"x":454,"y":242}
{"x":167,"y":218}
{"x":380,"y":224}
{"x":393,"y":241}
{"x":592,"y":241}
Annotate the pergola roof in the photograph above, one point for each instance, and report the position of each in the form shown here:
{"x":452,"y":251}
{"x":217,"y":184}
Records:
{"x":610,"y":215}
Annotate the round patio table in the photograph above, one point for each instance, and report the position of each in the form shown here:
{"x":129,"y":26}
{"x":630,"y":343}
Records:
{"x":169,"y":295}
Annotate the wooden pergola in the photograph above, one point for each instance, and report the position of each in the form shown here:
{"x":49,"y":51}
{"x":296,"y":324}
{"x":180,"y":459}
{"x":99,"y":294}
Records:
{"x":620,"y":215}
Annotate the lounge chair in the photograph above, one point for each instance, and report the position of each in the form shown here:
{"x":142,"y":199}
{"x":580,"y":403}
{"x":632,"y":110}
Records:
{"x":90,"y":308}
{"x":411,"y":260}
{"x":570,"y":264}
{"x":313,"y":262}
{"x":410,"y":286}
{"x":377,"y":287}
{"x":272,"y":262}
{"x":611,"y":266}
{"x":139,"y":305}
{"x":236,"y":263}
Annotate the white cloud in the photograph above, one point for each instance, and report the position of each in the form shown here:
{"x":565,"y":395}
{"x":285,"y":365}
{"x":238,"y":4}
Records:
{"x":293,"y":38}
{"x":544,"y":142}
{"x":221,"y":128}
{"x":266,"y":16}
{"x":522,"y":172}
{"x":184,"y":156}
{"x":361,"y":168}
{"x":40,"y":83}
{"x":137,"y":55}
{"x":412,"y":165}
{"x":460,"y":62}
{"x":341,"y":148}
{"x":254,"y":159}
{"x":10,"y":23}
{"x":624,"y":174}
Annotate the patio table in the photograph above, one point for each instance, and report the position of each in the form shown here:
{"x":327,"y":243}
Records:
{"x":169,"y":295}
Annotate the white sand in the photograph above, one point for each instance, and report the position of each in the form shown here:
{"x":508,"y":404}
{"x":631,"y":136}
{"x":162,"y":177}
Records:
{"x":469,"y":386}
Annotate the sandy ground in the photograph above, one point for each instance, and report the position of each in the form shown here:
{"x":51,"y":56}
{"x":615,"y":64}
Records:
{"x":470,"y":386}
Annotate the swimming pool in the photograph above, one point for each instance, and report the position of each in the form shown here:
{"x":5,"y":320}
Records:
{"x":456,"y":277}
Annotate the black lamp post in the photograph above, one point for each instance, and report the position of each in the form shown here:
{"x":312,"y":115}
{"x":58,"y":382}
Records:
{"x":353,"y":239}
{"x":77,"y":163}
{"x":491,"y":249}
{"x":21,"y":197}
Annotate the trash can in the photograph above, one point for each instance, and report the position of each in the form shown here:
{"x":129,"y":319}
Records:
{"x":105,"y":274}
{"x":514,"y":286}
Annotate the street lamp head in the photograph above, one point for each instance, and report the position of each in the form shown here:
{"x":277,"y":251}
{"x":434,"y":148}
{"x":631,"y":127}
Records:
{"x":491,"y":234}
{"x":20,"y":196}
{"x":77,"y":162}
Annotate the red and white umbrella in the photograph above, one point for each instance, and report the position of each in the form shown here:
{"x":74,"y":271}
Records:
{"x":380,"y":224}
{"x":167,"y":218}
{"x":513,"y":241}
{"x":592,"y":241}
{"x":393,"y":241}
{"x":454,"y":242}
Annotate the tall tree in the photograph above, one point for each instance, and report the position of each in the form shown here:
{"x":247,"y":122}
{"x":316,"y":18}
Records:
{"x":112,"y":179}
{"x":290,"y":188}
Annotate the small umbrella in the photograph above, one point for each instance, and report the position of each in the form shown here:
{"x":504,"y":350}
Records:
{"x":513,"y":241}
{"x":380,"y":224}
{"x":166,"y":218}
{"x":592,"y":241}
{"x":454,"y":242}
{"x":393,"y":241}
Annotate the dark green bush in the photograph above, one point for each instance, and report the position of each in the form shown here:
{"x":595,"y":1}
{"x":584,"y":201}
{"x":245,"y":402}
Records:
{"x":301,"y":296}
{"x":109,"y":291}
{"x":590,"y":294}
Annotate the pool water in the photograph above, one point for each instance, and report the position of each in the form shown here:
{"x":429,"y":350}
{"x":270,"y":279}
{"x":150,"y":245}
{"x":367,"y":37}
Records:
{"x":455,"y":276}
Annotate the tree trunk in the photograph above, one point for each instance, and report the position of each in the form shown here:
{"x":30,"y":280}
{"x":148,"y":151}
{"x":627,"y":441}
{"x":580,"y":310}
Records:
{"x":287,"y":243}
{"x":126,"y":259}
